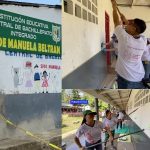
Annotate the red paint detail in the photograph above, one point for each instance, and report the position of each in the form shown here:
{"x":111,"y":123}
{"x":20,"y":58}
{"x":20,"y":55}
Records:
{"x":107,"y":37}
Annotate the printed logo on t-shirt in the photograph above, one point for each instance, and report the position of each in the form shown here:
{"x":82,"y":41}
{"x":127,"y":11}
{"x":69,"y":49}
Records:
{"x":133,"y":54}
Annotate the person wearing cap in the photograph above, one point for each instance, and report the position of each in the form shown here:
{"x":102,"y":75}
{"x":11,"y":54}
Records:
{"x":91,"y":129}
{"x":109,"y":123}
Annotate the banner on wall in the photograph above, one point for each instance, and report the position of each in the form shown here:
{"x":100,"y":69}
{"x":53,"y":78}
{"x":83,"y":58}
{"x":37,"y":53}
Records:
{"x":30,"y":54}
{"x":25,"y":34}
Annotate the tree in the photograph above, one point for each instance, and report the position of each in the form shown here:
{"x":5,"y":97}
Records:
{"x":65,"y":97}
{"x":90,"y":99}
{"x":75,"y":94}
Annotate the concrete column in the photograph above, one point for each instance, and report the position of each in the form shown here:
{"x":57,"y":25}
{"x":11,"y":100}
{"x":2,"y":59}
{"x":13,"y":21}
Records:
{"x":97,"y":108}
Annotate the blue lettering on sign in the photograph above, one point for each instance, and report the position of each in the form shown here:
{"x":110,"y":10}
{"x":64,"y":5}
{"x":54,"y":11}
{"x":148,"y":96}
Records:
{"x":78,"y":101}
{"x":20,"y":54}
{"x":39,"y":56}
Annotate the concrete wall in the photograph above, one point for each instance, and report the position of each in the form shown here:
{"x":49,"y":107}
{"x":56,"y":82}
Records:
{"x":138,"y":12}
{"x":81,"y":39}
{"x":38,"y":114}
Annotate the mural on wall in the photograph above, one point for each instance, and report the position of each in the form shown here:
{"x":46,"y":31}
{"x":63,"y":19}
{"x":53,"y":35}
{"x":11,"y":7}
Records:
{"x":30,"y":53}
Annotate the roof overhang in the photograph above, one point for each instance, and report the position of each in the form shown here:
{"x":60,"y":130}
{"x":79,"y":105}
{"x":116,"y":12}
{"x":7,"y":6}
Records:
{"x":117,"y":98}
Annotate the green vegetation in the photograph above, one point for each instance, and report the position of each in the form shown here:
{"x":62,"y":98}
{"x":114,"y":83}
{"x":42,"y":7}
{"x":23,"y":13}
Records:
{"x":67,"y":95}
{"x":70,"y":123}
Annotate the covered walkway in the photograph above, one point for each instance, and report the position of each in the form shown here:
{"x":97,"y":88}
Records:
{"x":136,"y":138}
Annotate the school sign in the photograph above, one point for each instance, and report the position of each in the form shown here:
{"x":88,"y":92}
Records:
{"x":26,"y":34}
{"x":30,"y":54}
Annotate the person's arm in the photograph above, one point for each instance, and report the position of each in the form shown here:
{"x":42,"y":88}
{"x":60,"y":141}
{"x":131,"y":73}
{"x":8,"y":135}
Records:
{"x":115,"y":14}
{"x":109,"y":132}
{"x":146,"y":54}
{"x":123,"y":18}
{"x":77,"y":141}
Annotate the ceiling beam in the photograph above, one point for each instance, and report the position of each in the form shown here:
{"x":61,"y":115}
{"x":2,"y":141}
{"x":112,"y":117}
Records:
{"x":129,"y":5}
{"x":122,"y":99}
{"x":110,"y":91}
{"x":104,"y":91}
{"x":121,"y":103}
{"x":110,"y":100}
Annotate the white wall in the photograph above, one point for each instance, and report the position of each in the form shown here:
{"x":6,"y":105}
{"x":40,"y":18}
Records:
{"x":142,"y":119}
{"x":138,"y":12}
{"x":141,"y":115}
{"x":81,"y":39}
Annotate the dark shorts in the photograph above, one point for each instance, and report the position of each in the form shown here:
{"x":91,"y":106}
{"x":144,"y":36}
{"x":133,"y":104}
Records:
{"x":125,"y":84}
{"x":97,"y":147}
{"x":107,"y":135}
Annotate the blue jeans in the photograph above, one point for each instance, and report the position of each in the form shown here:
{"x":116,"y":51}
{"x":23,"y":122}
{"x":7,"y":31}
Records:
{"x":125,"y":84}
{"x":147,"y":70}
{"x":97,"y":147}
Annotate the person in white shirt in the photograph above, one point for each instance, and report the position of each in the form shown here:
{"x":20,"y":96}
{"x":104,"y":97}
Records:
{"x":146,"y":64}
{"x":109,"y":123}
{"x":131,"y":48}
{"x":120,"y":119}
{"x":113,"y":45}
{"x":91,"y":129}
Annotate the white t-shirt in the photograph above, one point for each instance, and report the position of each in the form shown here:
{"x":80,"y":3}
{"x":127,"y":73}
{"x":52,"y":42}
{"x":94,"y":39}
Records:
{"x":110,"y":123}
{"x":146,"y":55}
{"x":121,"y":115}
{"x":92,"y":134}
{"x":130,"y":51}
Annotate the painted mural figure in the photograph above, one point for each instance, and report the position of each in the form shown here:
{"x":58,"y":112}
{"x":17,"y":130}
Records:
{"x":45,"y":78}
{"x":55,"y":81}
{"x":37,"y":79}
{"x":16,"y":80}
{"x":28,"y":76}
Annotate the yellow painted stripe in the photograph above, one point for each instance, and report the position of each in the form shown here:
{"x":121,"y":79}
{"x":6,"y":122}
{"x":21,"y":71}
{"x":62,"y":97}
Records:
{"x":29,"y":133}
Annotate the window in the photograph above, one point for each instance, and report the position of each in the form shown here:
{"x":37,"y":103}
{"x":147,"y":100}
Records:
{"x":68,"y":6}
{"x":84,"y":2}
{"x":84,"y":14}
{"x":95,"y":2}
{"x":77,"y":11}
{"x":89,"y":5}
{"x":146,"y":99}
{"x":93,"y":19}
{"x":89,"y":17}
{"x":96,"y":20}
{"x":93,"y":8}
{"x":96,"y":11}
